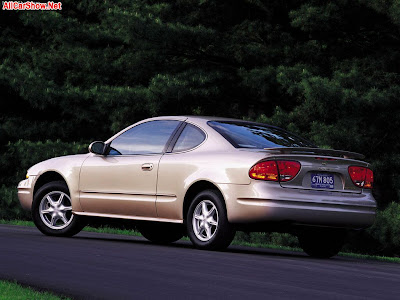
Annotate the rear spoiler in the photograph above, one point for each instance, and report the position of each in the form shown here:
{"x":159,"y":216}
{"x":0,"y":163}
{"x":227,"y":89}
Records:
{"x":315,"y":151}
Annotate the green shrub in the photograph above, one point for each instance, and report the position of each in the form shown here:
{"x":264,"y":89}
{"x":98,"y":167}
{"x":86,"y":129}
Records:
{"x":9,"y":204}
{"x":284,"y":239}
{"x":275,"y":238}
{"x":386,"y":229}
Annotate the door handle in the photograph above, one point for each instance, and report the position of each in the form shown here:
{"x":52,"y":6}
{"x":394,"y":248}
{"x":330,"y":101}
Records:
{"x":147,"y":167}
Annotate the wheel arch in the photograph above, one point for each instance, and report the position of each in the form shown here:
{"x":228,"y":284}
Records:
{"x":47,"y":177}
{"x":196,"y":188}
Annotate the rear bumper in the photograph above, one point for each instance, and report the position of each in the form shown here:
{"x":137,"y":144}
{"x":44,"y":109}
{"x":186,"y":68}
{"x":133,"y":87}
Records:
{"x":267,"y":202}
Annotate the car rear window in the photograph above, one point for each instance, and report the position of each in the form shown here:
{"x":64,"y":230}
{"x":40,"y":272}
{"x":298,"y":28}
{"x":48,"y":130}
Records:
{"x":257,"y":136}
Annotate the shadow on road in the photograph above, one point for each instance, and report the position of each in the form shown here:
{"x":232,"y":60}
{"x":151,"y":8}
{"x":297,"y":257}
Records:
{"x":187,"y":245}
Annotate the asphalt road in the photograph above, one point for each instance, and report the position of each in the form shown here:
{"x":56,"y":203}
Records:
{"x":105,"y":266}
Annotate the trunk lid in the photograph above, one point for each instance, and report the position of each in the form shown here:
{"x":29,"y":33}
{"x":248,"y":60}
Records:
{"x":325,"y":173}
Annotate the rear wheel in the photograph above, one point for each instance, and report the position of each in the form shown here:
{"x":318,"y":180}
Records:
{"x":161,"y":233}
{"x":322,"y":243}
{"x":207,"y":222}
{"x":52,"y":211}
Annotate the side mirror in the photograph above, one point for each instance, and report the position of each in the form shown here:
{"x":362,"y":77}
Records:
{"x":97,"y":148}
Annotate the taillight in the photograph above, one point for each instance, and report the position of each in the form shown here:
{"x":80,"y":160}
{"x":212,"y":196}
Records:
{"x":271,"y":170}
{"x":266,"y":170}
{"x":369,"y":179}
{"x":362,"y":177}
{"x":288,"y":169}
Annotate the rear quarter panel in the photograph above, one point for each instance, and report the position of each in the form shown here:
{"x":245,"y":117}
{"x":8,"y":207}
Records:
{"x":179,"y":171}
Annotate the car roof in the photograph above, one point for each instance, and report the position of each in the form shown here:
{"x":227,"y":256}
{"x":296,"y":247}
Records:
{"x":200,"y":118}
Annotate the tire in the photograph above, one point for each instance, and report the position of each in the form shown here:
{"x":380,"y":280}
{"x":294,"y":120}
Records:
{"x":52,"y":211}
{"x":161,"y":232}
{"x":207,"y":223}
{"x":322,"y":243}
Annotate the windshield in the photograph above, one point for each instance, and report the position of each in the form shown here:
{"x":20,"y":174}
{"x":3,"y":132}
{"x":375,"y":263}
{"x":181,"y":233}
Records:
{"x":257,"y":136}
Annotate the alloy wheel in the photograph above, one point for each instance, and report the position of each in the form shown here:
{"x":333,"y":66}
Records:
{"x":205,"y":220}
{"x":55,"y":210}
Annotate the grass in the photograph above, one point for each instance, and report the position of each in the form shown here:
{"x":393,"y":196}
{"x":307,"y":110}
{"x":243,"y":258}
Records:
{"x":371,"y":257}
{"x":239,"y":241}
{"x":111,"y":230}
{"x":17,"y":222}
{"x":13,"y":290}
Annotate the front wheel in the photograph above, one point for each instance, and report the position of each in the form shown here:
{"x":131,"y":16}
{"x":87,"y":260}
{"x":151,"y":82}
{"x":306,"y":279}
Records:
{"x":207,"y":222}
{"x":52,"y":211}
{"x":322,"y":243}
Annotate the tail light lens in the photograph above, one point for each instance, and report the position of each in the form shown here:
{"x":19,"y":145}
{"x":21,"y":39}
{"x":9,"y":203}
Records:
{"x":369,"y":179}
{"x":361,"y":177}
{"x":266,"y":170}
{"x":271,"y":170}
{"x":288,"y":169}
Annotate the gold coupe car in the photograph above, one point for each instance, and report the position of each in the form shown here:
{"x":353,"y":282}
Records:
{"x":206,"y":177}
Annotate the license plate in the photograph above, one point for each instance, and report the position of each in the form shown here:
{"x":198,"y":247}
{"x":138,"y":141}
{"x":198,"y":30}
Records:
{"x":322,"y":181}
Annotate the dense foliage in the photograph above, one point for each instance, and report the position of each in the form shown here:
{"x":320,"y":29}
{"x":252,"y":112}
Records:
{"x":328,"y":70}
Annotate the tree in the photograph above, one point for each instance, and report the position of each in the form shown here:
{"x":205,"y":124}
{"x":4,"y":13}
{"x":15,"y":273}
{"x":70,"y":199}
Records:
{"x":326,"y":70}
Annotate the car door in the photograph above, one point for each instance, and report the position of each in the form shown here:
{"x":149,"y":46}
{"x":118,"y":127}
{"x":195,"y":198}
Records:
{"x":124,"y":181}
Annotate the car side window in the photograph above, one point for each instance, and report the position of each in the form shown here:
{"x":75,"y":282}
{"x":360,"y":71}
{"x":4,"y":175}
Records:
{"x":146,"y":138}
{"x":190,"y":137}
